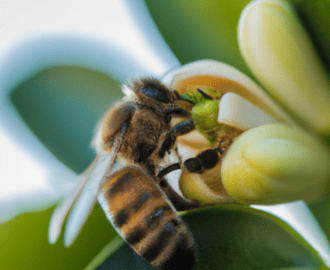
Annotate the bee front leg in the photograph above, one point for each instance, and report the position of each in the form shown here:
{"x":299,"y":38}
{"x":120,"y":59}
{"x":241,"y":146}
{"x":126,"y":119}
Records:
{"x":180,"y":203}
{"x":181,"y":128}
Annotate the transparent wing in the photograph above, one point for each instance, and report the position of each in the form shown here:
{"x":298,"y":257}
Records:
{"x":87,"y":199}
{"x":86,"y":189}
{"x":61,"y":212}
{"x":82,"y":201}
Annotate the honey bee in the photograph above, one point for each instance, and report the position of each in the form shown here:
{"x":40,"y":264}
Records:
{"x":136,"y":133}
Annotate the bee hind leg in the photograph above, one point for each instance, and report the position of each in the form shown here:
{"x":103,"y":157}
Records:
{"x":179,"y":202}
{"x":206,"y":160}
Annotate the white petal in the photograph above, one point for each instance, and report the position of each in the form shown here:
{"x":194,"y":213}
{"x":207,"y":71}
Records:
{"x":242,"y":85}
{"x":236,"y":111}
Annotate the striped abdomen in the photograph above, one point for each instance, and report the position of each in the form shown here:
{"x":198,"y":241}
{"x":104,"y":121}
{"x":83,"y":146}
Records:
{"x":137,"y":207}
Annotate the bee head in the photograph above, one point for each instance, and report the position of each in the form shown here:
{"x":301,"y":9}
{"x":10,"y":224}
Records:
{"x":150,"y":90}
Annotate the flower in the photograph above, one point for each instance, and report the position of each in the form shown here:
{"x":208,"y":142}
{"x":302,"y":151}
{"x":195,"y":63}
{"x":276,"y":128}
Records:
{"x":274,"y":113}
{"x":271,"y":163}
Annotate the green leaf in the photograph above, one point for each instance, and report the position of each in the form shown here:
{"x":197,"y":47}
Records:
{"x":24,"y":243}
{"x":62,"y":106}
{"x":232,"y":237}
{"x":319,"y":210}
{"x":197,"y":29}
{"x":109,"y":249}
{"x":315,"y":15}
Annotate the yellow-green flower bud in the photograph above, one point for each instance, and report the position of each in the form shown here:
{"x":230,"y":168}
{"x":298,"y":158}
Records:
{"x":279,"y":52}
{"x":275,"y":164}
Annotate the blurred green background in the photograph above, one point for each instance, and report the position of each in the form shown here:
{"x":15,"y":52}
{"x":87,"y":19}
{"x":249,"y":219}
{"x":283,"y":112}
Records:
{"x":62,"y":106}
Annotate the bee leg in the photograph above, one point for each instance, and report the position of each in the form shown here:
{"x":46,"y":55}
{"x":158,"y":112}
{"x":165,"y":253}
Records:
{"x":180,"y":203}
{"x":206,"y":160}
{"x":177,"y":111}
{"x":181,"y":128}
{"x":168,"y":169}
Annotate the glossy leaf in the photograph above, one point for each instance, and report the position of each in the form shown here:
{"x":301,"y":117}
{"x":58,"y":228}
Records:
{"x":24,"y":243}
{"x":233,"y":237}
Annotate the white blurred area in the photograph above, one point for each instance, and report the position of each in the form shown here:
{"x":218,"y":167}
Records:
{"x":20,"y":177}
{"x":16,"y":169}
{"x":25,"y":185}
{"x":116,"y":37}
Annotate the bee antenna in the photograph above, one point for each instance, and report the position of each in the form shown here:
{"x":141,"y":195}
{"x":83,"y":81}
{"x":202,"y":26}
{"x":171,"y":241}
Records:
{"x":204,"y":94}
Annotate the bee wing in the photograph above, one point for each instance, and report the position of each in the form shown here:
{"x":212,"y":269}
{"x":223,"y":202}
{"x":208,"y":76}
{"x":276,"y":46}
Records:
{"x":80,"y":202}
{"x":86,"y":201}
{"x":61,"y":212}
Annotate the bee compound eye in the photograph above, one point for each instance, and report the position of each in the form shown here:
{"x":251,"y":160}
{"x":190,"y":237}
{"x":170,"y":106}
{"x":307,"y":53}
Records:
{"x":209,"y":158}
{"x":155,"y":93}
{"x":193,"y":165}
